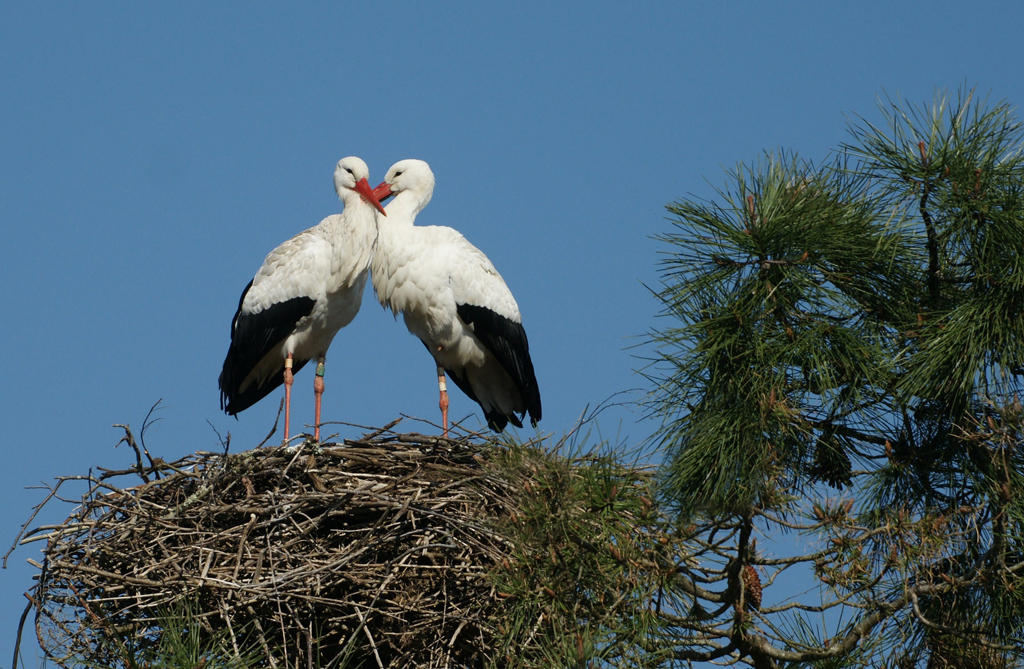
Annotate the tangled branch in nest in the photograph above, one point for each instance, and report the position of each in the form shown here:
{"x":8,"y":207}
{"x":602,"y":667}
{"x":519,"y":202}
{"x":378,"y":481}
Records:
{"x":375,"y":551}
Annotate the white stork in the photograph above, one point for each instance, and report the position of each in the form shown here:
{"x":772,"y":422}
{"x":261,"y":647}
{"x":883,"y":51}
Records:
{"x":307,"y":289}
{"x":454,"y":300}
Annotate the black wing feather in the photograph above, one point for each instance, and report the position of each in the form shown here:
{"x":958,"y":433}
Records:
{"x":252,"y":337}
{"x":507,"y":341}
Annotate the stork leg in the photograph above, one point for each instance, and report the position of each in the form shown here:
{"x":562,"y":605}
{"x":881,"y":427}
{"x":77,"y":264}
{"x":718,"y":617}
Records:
{"x":289,"y":378}
{"x":318,"y":391}
{"x":443,"y":387}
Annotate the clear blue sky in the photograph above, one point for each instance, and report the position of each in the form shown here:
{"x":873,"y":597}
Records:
{"x":151,"y":154}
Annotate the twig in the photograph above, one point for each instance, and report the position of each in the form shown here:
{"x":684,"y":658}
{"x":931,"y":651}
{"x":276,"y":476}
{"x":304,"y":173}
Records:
{"x":280,"y":409}
{"x":129,"y":439}
{"x":226,"y":443}
{"x":35,"y":511}
{"x":146,"y":424}
{"x":21,"y":628}
{"x":373,"y":644}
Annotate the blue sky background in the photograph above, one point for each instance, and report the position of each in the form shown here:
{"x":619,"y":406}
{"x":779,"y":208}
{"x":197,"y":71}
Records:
{"x":152,"y":154}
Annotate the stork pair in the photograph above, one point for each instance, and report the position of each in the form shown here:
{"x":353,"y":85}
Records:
{"x":448,"y":292}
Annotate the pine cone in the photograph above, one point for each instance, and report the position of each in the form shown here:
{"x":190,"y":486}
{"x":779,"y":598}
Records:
{"x":832,"y":464}
{"x":751,"y":587}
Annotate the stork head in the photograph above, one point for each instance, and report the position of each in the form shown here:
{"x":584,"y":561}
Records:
{"x":411,"y":176}
{"x":350,"y":177}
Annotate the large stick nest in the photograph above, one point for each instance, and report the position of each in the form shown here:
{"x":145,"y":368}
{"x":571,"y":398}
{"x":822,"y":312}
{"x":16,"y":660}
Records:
{"x":373,"y":551}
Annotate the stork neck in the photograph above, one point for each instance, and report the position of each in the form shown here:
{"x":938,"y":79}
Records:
{"x":403,"y":209}
{"x":354,"y":201}
{"x":357,"y":217}
{"x":394,"y":230}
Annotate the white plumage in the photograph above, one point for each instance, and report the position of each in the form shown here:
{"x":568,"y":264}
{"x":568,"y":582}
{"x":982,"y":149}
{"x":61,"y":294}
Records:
{"x":307,"y":289}
{"x":453,"y":299}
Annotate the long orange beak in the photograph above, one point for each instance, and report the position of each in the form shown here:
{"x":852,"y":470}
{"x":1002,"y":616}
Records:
{"x":363,"y":188}
{"x":383,"y":191}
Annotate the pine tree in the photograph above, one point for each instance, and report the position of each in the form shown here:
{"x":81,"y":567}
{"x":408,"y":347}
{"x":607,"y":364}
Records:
{"x":840,"y":374}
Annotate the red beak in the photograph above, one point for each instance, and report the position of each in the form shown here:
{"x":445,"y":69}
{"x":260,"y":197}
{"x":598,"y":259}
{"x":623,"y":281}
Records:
{"x":383,"y":191}
{"x":363,"y":188}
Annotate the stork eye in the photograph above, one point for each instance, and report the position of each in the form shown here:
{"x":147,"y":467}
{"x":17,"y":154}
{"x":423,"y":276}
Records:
{"x":348,"y":170}
{"x":398,"y":174}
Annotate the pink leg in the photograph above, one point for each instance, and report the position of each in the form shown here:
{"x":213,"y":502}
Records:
{"x":318,"y":391}
{"x":289,"y":378}
{"x":443,"y":387}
